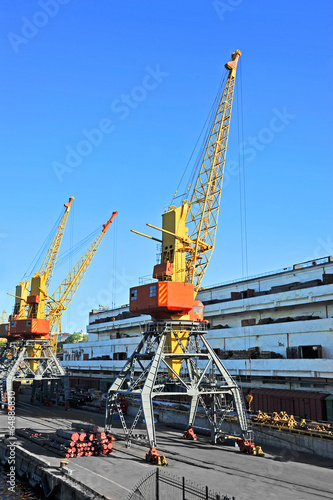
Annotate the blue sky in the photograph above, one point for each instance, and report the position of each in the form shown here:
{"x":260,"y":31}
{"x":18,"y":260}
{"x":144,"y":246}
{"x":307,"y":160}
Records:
{"x":104,"y":101}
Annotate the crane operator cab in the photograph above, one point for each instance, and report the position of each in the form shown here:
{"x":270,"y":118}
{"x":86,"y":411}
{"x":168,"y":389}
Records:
{"x":197,"y":313}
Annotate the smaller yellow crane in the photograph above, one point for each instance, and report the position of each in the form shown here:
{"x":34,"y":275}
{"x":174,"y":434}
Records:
{"x":34,"y":326}
{"x":3,"y":318}
{"x":41,"y":280}
{"x":37,"y":314}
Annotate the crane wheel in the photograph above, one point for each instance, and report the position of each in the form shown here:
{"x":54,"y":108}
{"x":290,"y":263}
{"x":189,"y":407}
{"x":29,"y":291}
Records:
{"x":246,"y":446}
{"x":258,"y":451}
{"x":156,"y":458}
{"x":189,"y":434}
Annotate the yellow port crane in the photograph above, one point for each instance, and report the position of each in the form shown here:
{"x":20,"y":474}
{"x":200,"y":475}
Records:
{"x":185,"y":257}
{"x":32,"y":323}
{"x":36,"y":321}
{"x":3,"y":317}
{"x":189,"y":231}
{"x":176,"y":337}
{"x":41,"y":280}
{"x":44,"y":313}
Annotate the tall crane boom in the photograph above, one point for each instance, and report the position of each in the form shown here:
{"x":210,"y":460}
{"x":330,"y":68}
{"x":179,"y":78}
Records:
{"x":205,"y":201}
{"x":49,"y":261}
{"x":189,"y":230}
{"x":62,"y":297}
{"x":41,"y":280}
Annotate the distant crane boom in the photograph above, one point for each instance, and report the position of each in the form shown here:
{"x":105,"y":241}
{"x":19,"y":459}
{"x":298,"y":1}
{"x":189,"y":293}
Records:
{"x":53,"y":251}
{"x":62,"y":297}
{"x":3,"y":318}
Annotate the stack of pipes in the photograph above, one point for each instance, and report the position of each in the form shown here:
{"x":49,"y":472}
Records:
{"x":74,"y":443}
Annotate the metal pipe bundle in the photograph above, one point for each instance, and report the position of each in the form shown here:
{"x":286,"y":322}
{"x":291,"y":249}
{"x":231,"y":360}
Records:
{"x":77,"y":444}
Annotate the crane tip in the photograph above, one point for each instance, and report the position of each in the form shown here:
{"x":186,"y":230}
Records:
{"x":106,"y":226}
{"x":232,"y":65}
{"x":68,"y":205}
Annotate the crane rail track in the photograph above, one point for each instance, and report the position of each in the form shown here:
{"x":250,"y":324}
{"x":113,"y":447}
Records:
{"x":173,"y":456}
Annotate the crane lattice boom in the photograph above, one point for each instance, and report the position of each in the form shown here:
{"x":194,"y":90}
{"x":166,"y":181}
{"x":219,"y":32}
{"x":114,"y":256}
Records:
{"x":62,"y":297}
{"x":206,"y":195}
{"x":53,"y":251}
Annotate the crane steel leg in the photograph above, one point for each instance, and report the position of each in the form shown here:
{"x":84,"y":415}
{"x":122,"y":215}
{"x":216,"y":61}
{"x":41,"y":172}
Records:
{"x":147,"y":392}
{"x":117,"y":385}
{"x":150,"y":370}
{"x":235,"y":390}
{"x":29,"y":360}
{"x":193,"y":410}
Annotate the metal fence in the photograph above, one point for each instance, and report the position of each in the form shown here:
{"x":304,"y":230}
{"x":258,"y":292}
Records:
{"x":160,"y":485}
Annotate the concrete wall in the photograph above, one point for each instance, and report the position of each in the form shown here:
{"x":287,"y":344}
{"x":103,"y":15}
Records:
{"x":53,"y":481}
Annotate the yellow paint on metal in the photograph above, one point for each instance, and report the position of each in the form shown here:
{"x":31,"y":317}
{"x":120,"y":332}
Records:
{"x":62,"y":297}
{"x":53,"y":251}
{"x":206,"y":195}
{"x":38,"y":287}
{"x":22,"y":292}
{"x":34,"y":352}
{"x":172,"y":347}
{"x":174,"y":248}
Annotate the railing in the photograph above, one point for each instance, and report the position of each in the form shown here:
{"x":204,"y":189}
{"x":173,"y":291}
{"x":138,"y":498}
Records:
{"x":145,"y":280}
{"x":159,"y":485}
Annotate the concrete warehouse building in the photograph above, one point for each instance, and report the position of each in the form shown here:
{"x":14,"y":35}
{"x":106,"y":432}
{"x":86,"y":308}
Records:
{"x":274,"y":333}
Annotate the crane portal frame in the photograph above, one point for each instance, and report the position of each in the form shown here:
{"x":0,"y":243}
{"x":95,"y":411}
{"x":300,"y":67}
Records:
{"x":202,"y":378}
{"x":29,"y":360}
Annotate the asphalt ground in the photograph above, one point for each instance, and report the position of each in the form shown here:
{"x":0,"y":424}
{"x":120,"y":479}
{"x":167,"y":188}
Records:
{"x":223,"y":469}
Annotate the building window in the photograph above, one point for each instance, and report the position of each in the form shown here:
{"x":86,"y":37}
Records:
{"x":134,"y":294}
{"x":310,"y":351}
{"x":119,"y":356}
{"x":152,"y":291}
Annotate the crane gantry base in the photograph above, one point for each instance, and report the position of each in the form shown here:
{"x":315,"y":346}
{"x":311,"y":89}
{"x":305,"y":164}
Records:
{"x":28,"y":360}
{"x":203,"y":378}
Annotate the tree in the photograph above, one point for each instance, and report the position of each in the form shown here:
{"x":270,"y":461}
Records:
{"x":73,"y":339}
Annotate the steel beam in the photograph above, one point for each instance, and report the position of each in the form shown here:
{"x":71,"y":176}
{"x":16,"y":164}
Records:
{"x":142,"y":377}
